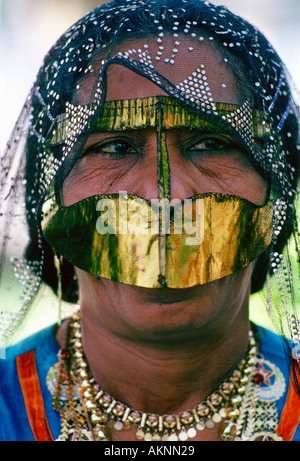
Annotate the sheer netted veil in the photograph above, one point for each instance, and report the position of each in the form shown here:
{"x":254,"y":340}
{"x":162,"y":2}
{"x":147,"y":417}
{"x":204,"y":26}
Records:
{"x":53,"y":126}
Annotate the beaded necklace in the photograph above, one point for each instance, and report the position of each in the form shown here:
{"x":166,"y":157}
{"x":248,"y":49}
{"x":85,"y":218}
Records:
{"x":88,"y":412}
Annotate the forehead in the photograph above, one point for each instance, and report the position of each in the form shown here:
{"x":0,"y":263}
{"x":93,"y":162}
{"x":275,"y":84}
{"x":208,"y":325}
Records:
{"x":196,"y":67}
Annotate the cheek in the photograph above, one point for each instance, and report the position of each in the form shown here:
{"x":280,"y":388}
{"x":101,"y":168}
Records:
{"x":235,"y":176}
{"x":91,"y":176}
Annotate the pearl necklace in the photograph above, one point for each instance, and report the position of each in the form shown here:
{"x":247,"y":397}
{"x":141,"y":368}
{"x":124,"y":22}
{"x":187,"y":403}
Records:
{"x":88,"y":412}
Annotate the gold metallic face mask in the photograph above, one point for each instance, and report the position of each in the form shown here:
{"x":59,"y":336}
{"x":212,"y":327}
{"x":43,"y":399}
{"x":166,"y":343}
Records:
{"x":219,"y":235}
{"x":160,"y":243}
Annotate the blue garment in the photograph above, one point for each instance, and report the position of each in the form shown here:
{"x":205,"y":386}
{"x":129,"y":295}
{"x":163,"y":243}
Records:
{"x":14,"y":425}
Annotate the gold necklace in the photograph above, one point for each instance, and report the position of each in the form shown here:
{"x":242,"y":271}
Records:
{"x":87,"y":411}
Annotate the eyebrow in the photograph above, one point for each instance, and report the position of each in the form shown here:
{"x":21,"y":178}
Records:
{"x":132,"y":114}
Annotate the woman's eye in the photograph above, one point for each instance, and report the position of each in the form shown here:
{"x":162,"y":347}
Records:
{"x":210,"y":144}
{"x":112,"y":149}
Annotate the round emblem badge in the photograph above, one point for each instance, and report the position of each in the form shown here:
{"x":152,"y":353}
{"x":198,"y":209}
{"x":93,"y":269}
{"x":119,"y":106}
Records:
{"x":271,"y":380}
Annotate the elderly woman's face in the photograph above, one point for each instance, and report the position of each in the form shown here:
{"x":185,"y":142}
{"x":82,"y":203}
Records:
{"x":199,"y":163}
{"x":127,"y":161}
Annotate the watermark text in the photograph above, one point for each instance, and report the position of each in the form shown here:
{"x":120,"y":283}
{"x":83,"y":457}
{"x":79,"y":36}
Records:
{"x":163,"y":217}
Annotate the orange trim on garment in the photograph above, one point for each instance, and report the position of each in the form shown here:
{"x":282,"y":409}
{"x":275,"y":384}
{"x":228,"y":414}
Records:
{"x":290,"y":416}
{"x":33,"y":398}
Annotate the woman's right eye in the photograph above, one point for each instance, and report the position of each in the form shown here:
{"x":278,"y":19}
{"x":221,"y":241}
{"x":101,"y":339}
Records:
{"x":112,"y":149}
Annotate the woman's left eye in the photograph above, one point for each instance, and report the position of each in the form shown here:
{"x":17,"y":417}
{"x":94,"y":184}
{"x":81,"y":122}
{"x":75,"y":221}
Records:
{"x":210,"y":144}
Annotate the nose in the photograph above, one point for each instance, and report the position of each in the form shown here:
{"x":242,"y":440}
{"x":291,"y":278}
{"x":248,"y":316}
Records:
{"x":166,"y":173}
{"x":144,"y":179}
{"x":183,"y":178}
